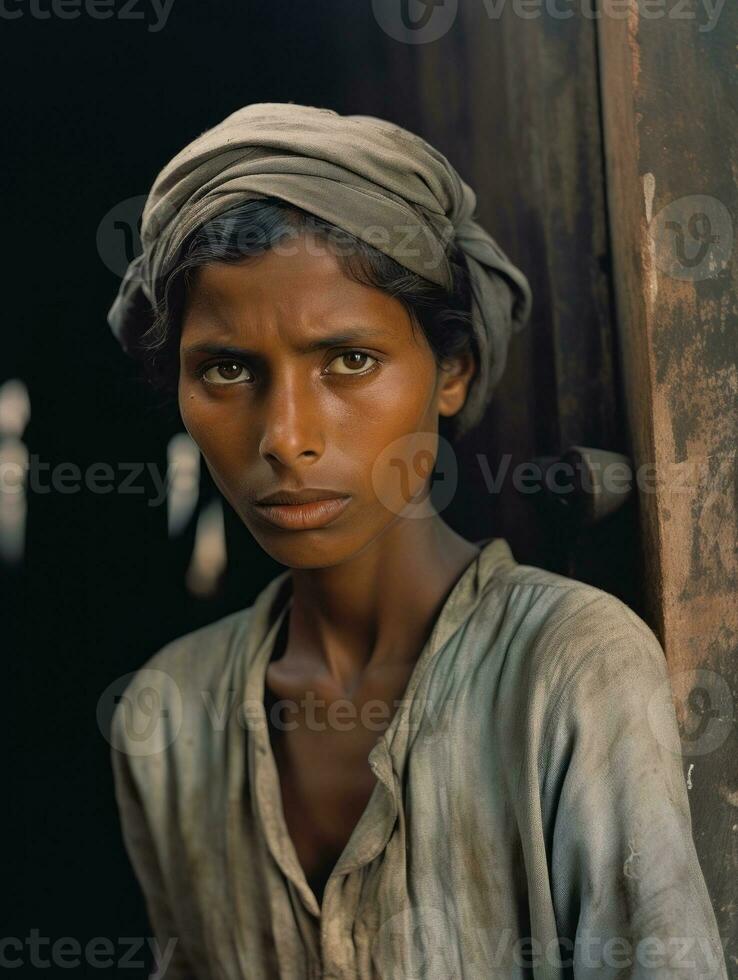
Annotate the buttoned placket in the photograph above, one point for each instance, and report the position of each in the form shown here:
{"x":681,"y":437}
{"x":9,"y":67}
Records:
{"x":374,"y":828}
{"x":368,"y":838}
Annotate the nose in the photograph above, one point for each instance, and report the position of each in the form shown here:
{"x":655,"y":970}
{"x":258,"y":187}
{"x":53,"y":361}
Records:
{"x":291,"y":431}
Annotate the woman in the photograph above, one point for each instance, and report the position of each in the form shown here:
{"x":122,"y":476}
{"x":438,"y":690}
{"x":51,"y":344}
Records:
{"x":411,"y":756}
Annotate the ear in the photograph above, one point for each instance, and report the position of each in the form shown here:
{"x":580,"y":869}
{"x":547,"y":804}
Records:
{"x":454,"y":380}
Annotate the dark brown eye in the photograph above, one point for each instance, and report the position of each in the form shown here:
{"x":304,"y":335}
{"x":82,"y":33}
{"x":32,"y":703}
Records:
{"x":352,"y":362}
{"x":223,"y":373}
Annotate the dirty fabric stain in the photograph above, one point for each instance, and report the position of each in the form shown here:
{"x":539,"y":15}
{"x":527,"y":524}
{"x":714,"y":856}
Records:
{"x":530,"y":816}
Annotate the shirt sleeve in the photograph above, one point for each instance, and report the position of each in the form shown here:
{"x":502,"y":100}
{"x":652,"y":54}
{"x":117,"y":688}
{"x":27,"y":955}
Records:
{"x":172,"y":961}
{"x":629,"y":894}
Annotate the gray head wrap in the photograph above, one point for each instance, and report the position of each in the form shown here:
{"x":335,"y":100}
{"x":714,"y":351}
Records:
{"x":367,"y":176}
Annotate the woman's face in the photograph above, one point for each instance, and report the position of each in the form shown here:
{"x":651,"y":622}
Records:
{"x":295,"y":377}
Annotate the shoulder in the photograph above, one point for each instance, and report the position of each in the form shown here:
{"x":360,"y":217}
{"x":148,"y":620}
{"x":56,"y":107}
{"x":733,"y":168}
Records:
{"x":170,"y":685}
{"x":561,"y":635}
{"x":201,"y":654}
{"x":582,"y":684}
{"x":569,"y":618}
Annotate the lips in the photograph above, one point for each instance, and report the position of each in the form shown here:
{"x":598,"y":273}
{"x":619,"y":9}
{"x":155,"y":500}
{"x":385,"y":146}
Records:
{"x":304,"y":515}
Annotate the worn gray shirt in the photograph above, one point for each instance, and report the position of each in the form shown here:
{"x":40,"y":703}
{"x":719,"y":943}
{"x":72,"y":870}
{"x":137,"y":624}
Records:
{"x":529,"y":818}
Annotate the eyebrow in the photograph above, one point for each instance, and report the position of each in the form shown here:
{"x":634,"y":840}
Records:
{"x":334,"y":340}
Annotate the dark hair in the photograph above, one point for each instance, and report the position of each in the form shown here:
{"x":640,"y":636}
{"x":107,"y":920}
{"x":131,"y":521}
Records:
{"x":258,"y":225}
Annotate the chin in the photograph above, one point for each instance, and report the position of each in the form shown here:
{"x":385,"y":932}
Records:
{"x":305,"y":549}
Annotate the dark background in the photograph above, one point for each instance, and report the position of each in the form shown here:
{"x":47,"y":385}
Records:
{"x":95,"y":110}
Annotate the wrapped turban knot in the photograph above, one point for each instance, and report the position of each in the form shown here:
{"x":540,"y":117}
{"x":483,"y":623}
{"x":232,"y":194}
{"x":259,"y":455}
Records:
{"x":367,"y":176}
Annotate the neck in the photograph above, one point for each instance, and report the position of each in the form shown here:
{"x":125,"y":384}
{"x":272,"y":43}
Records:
{"x":377,"y":610}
